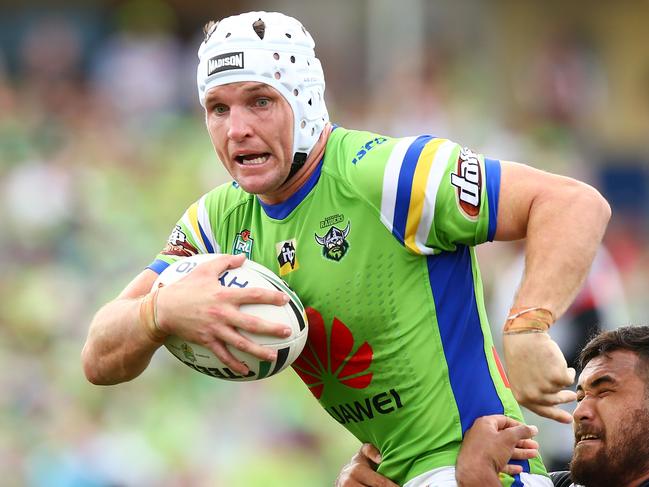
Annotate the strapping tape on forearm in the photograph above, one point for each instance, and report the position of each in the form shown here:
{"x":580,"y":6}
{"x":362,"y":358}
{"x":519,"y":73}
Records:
{"x":148,"y":316}
{"x":532,"y":319}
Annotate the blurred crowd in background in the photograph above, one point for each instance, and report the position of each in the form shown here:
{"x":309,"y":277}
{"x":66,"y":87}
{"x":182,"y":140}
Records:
{"x":103,"y":145}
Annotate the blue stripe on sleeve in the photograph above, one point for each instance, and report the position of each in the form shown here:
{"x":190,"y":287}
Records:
{"x":492,"y":170}
{"x":404,"y":186}
{"x":158,"y":266}
{"x":206,"y":241}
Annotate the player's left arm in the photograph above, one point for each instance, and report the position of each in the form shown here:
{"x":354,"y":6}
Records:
{"x":563,"y":222}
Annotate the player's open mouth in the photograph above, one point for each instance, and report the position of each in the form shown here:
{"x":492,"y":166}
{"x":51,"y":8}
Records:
{"x":252,"y":159}
{"x":582,"y":439}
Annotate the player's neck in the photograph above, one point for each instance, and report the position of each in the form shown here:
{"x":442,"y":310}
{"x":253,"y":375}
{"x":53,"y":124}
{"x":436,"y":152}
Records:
{"x":302,"y":176}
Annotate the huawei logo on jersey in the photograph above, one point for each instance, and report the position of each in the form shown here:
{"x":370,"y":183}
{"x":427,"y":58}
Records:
{"x":326,"y":358}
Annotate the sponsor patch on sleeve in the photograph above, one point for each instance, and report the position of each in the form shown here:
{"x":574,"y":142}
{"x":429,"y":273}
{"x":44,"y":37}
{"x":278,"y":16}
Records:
{"x":468,"y":181}
{"x":178,"y":245}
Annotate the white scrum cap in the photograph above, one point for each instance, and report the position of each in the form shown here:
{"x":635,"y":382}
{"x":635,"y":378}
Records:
{"x":274,"y":49}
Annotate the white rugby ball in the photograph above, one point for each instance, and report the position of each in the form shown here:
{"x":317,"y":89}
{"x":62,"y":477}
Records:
{"x":250,"y":274}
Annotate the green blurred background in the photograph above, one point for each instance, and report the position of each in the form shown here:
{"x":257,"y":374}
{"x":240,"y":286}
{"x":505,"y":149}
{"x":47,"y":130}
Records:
{"x":102,"y":146}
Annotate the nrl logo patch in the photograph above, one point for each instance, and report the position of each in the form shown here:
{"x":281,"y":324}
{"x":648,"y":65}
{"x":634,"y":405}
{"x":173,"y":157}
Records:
{"x":334,"y":242}
{"x":178,"y":245}
{"x":287,"y":256}
{"x":225,"y":62}
{"x":243,"y":244}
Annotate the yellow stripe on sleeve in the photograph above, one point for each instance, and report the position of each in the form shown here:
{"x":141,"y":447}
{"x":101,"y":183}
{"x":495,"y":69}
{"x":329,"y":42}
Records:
{"x":418,"y":194}
{"x":192,"y":214}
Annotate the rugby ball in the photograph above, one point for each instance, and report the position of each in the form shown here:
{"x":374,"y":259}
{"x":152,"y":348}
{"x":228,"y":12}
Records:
{"x":250,"y":274}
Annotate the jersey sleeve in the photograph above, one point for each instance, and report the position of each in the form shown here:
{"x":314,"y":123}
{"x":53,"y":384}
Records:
{"x":191,"y":235}
{"x":433,"y":194}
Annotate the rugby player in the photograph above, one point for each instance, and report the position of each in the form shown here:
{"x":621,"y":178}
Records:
{"x":376,"y":234}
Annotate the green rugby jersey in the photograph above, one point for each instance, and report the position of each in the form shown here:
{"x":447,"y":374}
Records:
{"x":378,"y":244}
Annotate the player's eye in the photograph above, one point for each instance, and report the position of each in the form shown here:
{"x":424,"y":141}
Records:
{"x":262,"y":102}
{"x":219,"y":108}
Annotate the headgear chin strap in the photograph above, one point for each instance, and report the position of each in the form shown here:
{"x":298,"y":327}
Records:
{"x":274,"y":49}
{"x":298,"y":161}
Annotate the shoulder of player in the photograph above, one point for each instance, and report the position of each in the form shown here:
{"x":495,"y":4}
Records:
{"x":224,"y":199}
{"x":365,"y":159}
{"x":347,"y":148}
{"x":356,"y":158}
{"x":358,"y":151}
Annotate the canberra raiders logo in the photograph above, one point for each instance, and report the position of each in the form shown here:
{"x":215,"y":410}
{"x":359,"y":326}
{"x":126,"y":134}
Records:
{"x":334,"y":243}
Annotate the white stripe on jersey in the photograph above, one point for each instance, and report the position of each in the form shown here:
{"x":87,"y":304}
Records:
{"x":197,"y":238}
{"x":435,"y":175}
{"x":391,"y":180}
{"x":204,"y":222}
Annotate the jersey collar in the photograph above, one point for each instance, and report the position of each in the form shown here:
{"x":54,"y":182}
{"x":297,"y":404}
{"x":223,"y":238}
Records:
{"x":284,"y":209}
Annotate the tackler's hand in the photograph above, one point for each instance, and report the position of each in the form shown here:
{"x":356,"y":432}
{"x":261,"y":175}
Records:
{"x":361,"y":470}
{"x":487,"y":448}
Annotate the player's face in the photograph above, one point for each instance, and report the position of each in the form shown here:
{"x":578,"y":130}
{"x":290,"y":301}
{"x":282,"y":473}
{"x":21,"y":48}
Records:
{"x":611,"y":422}
{"x":251,"y":127}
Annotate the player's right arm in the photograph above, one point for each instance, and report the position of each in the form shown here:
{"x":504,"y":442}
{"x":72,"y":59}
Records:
{"x":197,"y":308}
{"x":118,"y":348}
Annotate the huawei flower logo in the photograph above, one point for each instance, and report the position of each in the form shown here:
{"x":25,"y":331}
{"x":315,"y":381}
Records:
{"x":324,"y":360}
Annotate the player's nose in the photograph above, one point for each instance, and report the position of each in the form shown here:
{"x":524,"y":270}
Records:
{"x":583,"y":411}
{"x":238,"y":124}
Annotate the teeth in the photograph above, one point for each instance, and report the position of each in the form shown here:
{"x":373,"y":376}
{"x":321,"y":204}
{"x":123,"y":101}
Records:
{"x":253,"y":161}
{"x":589,"y":437}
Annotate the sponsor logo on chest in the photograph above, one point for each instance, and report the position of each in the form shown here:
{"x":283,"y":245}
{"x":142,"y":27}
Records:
{"x":357,"y":411}
{"x":333,"y":359}
{"x":287,"y":256}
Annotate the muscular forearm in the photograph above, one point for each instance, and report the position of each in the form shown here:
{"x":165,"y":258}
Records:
{"x":564,"y":230}
{"x":118,"y":348}
{"x":563,"y":222}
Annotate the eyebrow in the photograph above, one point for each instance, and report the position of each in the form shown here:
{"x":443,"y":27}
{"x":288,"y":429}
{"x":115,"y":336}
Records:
{"x":604,"y":379}
{"x":257,"y":87}
{"x":247,"y":89}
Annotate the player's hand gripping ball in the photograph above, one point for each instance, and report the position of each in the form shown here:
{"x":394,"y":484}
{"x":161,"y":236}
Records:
{"x":254,"y":275}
